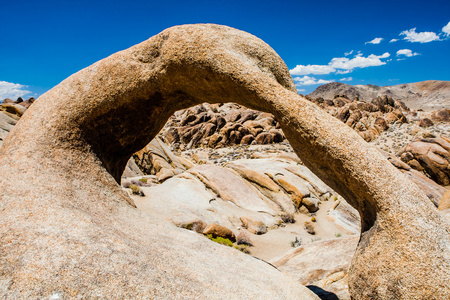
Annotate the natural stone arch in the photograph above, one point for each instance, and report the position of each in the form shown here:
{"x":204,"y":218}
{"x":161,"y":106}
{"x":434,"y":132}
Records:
{"x":60,"y":153}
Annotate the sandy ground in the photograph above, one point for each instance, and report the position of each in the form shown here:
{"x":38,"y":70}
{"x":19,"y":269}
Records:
{"x":276,"y":242}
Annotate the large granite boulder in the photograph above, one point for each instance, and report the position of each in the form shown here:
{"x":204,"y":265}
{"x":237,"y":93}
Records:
{"x":67,"y":227}
{"x":432,"y":156}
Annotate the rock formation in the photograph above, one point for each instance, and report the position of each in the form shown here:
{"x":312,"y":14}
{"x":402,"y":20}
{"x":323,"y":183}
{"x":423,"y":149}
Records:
{"x":369,"y":119}
{"x":67,"y":227}
{"x":431,"y":156}
{"x":221,"y":125}
{"x":427,"y":95}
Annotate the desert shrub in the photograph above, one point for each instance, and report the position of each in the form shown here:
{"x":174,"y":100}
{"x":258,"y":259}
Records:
{"x":296,"y":243}
{"x":243,"y":248}
{"x":136,"y":190}
{"x":220,"y":240}
{"x":338,"y":234}
{"x":287,"y":218}
{"x":243,"y":238}
{"x":143,"y":180}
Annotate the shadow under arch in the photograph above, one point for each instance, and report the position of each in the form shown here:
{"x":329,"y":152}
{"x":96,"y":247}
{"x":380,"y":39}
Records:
{"x":108,"y":111}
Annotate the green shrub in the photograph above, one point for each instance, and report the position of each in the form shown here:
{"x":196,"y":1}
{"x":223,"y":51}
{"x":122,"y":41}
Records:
{"x":143,"y":180}
{"x":338,"y":234}
{"x":220,"y":240}
{"x":136,"y":190}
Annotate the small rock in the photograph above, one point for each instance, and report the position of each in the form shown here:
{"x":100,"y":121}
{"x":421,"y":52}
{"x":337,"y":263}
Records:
{"x":309,"y":227}
{"x":218,"y":230}
{"x":312,"y":204}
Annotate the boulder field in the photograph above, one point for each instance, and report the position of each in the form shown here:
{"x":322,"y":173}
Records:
{"x":68,"y":229}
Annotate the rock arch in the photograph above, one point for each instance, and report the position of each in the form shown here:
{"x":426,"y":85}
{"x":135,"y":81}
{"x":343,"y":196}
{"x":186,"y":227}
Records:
{"x":65,"y":224}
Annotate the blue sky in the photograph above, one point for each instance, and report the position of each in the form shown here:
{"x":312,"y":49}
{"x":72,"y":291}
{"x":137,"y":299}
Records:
{"x":43,"y":42}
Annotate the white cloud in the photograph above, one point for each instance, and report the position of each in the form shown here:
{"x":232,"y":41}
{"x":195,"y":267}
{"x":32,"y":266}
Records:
{"x":358,"y":61}
{"x":419,"y":37}
{"x":375,"y":41}
{"x":341,"y":65}
{"x":12,"y":90}
{"x":306,"y":80}
{"x":343,"y":71}
{"x":446,"y":29}
{"x":348,"y":53}
{"x":312,"y":69}
{"x":406,"y":52}
{"x":301,"y":90}
{"x":393,"y":40}
{"x":347,"y":79}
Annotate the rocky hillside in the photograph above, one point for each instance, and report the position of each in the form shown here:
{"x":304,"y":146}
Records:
{"x":427,"y":95}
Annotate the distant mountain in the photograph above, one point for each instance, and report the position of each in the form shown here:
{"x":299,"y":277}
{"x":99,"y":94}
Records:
{"x":426,"y":95}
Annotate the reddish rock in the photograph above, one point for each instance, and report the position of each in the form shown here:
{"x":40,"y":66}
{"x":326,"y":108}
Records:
{"x":218,"y":230}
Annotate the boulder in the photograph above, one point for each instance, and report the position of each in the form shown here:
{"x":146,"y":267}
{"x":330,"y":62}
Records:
{"x":312,"y":204}
{"x":252,"y":225}
{"x":425,"y":122}
{"x":431,"y":155}
{"x":216,"y":230}
{"x":442,"y":115}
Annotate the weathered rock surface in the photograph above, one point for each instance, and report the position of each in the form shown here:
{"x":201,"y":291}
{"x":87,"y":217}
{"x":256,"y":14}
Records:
{"x":367,"y":118}
{"x":330,"y":273}
{"x":240,"y":194}
{"x":66,"y":225}
{"x":215,"y":126}
{"x":157,"y":159}
{"x":10,"y":113}
{"x":430,"y":155}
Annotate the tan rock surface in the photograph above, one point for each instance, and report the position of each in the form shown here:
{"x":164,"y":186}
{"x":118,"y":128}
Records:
{"x":329,"y":273}
{"x":66,"y":225}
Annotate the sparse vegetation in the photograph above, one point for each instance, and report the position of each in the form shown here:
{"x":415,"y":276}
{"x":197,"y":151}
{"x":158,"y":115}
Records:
{"x":227,"y":242}
{"x":136,"y":190}
{"x":296,"y":243}
{"x":287,"y":218}
{"x":143,"y":180}
{"x":220,"y":240}
{"x":338,"y":234}
{"x":243,"y":248}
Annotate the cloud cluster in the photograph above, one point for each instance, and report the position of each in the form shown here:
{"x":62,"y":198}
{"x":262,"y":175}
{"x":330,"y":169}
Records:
{"x":312,"y":69}
{"x":375,"y":41}
{"x":12,"y":90}
{"x":419,"y":37}
{"x":406,"y":52}
{"x":346,"y":64}
{"x":341,"y":65}
{"x":446,"y":30}
{"x":306,"y":80}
